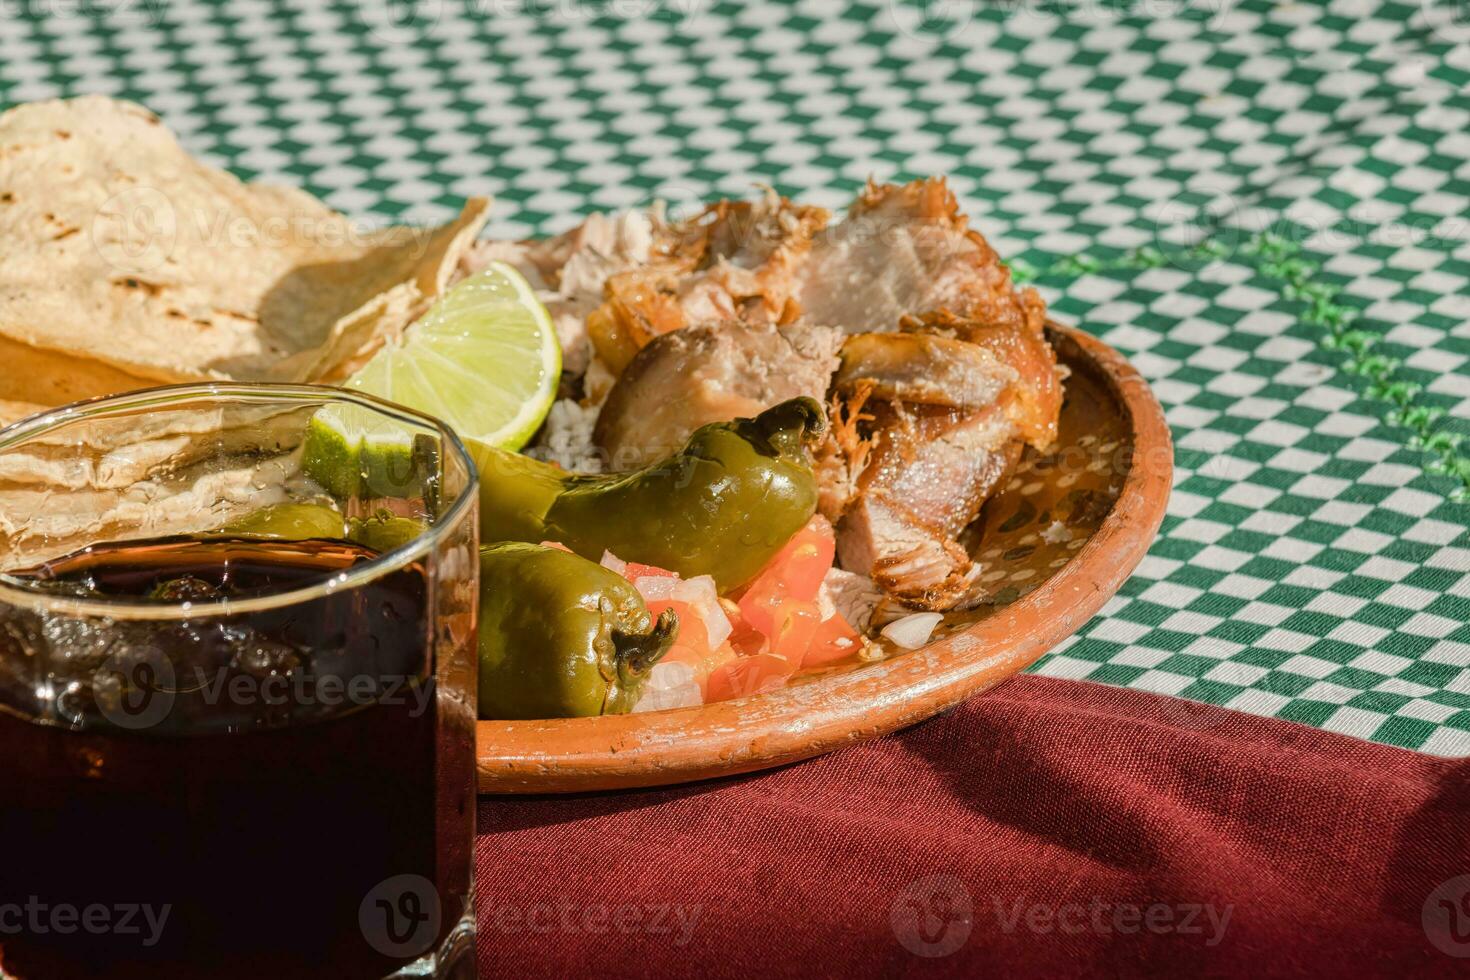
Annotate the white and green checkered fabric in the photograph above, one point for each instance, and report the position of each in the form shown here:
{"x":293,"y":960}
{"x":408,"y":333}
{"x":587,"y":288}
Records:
{"x":1264,"y":205}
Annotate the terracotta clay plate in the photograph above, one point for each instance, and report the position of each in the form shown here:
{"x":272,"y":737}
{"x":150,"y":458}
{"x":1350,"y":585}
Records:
{"x":1055,"y":544}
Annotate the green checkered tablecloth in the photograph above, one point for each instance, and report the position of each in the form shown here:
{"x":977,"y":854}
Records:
{"x":1264,"y":205}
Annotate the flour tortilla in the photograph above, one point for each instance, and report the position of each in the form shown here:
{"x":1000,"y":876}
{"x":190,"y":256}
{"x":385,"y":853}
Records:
{"x":129,"y":264}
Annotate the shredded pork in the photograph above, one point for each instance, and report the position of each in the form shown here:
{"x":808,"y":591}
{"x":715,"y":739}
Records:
{"x":944,"y":374}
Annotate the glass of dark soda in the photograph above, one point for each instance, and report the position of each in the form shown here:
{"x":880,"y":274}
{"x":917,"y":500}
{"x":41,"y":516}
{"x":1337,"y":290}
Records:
{"x":237,"y":688}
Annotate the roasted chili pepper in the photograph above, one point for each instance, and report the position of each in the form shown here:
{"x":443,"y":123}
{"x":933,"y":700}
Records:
{"x":562,"y":637}
{"x":721,"y":506}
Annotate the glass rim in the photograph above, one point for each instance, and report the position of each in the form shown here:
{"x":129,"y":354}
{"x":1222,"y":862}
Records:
{"x":21,"y":595}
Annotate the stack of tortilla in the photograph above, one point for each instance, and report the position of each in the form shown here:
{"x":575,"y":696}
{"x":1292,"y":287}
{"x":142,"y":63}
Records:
{"x":129,"y":264}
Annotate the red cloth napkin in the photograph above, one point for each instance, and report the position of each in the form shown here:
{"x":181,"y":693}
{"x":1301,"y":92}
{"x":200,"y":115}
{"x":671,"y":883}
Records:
{"x":1048,"y":828}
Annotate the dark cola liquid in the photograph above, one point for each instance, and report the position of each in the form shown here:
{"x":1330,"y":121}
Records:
{"x":226,"y":796}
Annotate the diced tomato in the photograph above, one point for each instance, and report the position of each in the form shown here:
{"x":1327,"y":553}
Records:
{"x":704,"y":662}
{"x":744,"y":676}
{"x":691,"y":626}
{"x":636,"y":570}
{"x":834,"y":642}
{"x":744,"y":638}
{"x":795,"y":574}
{"x":796,"y":624}
{"x":776,"y":622}
{"x":691,"y":646}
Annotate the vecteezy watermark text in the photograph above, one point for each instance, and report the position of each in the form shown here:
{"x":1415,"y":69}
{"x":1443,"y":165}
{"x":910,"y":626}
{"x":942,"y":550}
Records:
{"x":399,"y":21}
{"x":327,"y":690}
{"x":34,"y":917}
{"x":1102,"y":917}
{"x":139,"y":229}
{"x":654,"y":918}
{"x":934,"y":917}
{"x":139,"y":690}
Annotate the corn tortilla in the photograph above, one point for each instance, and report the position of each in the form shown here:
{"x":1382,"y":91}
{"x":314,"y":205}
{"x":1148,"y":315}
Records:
{"x":129,"y":263}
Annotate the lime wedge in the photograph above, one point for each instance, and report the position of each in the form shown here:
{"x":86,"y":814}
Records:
{"x":484,"y":359}
{"x":290,"y":522}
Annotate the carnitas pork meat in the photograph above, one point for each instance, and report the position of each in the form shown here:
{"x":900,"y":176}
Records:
{"x":929,"y":419}
{"x":737,"y":261}
{"x":711,"y":372}
{"x":899,"y":315}
{"x":928,"y":423}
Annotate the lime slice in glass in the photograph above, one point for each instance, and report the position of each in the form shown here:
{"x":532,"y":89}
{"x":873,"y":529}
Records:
{"x":289,"y":522}
{"x":485,"y":360}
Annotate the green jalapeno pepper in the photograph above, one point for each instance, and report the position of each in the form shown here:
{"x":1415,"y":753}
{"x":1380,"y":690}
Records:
{"x":562,"y":637}
{"x":721,"y":506}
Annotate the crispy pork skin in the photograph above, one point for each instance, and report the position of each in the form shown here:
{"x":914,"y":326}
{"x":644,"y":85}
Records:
{"x":923,"y":369}
{"x":1033,"y":402}
{"x":925,"y":477}
{"x":931,"y":419}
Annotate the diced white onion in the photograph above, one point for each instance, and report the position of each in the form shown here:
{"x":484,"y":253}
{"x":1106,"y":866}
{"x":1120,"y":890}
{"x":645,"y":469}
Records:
{"x":655,"y":588}
{"x":613,"y":563}
{"x":675,"y":674}
{"x":912,"y":632}
{"x":669,"y":686}
{"x":700,"y":592}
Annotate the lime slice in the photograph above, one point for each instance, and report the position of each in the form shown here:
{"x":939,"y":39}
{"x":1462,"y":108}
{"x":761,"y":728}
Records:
{"x":385,"y":534}
{"x":484,"y":359}
{"x":290,"y":522}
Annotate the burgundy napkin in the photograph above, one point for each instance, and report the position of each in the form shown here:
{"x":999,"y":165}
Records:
{"x":1048,"y":828}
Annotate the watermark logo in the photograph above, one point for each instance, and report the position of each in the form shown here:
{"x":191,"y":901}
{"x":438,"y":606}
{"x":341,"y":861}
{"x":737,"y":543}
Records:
{"x":933,"y":916}
{"x":401,"y":916}
{"x":135,"y":689}
{"x":1187,"y":713}
{"x":587,"y":11}
{"x":1446,"y":917}
{"x":932,"y":19}
{"x":120,"y":12}
{"x":135,"y":230}
{"x":1448,"y":20}
{"x":138,"y":230}
{"x":1194,"y":219}
{"x":139,"y":688}
{"x":400,"y":21}
{"x":408,"y":21}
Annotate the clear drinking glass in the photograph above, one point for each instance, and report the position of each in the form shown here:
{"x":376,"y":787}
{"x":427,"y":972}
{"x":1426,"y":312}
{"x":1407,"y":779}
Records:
{"x":237,"y":688}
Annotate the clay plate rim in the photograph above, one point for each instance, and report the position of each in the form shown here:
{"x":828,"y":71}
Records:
{"x":660,"y":748}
